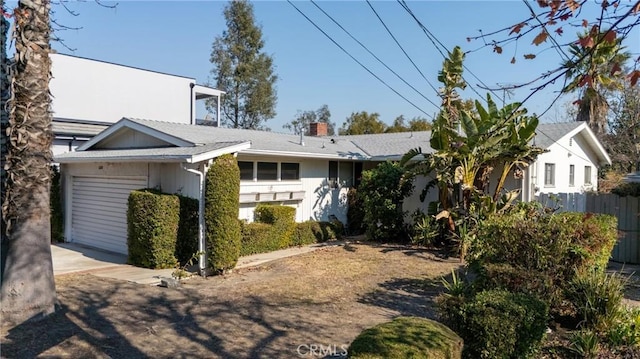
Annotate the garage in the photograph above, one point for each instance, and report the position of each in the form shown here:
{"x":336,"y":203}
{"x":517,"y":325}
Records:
{"x":99,"y":210}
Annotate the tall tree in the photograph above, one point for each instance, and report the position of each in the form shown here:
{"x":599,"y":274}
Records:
{"x":623,"y":140}
{"x":27,"y":289}
{"x":593,"y":79}
{"x":362,"y":123}
{"x":415,"y":124}
{"x":4,"y":97}
{"x":243,"y":70}
{"x":300,"y":124}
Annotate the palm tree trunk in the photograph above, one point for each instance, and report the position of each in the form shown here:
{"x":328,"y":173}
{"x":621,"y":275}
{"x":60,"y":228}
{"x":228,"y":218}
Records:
{"x":27,"y":290}
{"x":4,"y":97}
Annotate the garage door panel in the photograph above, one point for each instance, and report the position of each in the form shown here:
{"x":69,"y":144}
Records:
{"x":99,"y":211}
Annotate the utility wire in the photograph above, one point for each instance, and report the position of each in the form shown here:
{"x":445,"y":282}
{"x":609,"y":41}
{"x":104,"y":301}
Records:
{"x":356,"y":60}
{"x":434,"y":39}
{"x":376,"y":57}
{"x":401,"y":48}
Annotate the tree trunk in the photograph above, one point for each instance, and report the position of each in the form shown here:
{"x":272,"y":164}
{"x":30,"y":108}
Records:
{"x":27,"y":290}
{"x":4,"y":97}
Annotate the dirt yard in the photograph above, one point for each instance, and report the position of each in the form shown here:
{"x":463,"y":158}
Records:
{"x":312,"y":305}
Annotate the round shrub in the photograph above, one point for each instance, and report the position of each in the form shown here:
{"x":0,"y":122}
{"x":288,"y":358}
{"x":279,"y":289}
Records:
{"x":222,"y":191}
{"x":496,"y":323}
{"x":407,"y":337}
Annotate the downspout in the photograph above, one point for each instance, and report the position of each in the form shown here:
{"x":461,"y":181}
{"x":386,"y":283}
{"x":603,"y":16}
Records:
{"x":202,"y":259}
{"x":191,"y":86}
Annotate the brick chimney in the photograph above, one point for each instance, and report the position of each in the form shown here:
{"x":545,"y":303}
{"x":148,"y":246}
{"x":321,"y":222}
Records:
{"x":318,"y":129}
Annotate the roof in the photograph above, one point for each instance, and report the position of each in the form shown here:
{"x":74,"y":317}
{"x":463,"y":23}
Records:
{"x":549,"y":133}
{"x":188,"y":140}
{"x":164,"y":154}
{"x":69,"y":128}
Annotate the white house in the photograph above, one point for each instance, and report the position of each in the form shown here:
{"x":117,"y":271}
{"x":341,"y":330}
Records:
{"x":309,"y":173}
{"x":89,"y":95}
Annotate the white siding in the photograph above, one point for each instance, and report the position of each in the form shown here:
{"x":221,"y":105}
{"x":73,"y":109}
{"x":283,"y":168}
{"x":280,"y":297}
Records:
{"x":99,"y":91}
{"x":174,"y":179}
{"x":563,"y":154}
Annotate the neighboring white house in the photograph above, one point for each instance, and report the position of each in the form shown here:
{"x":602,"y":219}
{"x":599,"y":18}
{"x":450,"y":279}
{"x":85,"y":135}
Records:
{"x":89,"y":95}
{"x":309,"y":173}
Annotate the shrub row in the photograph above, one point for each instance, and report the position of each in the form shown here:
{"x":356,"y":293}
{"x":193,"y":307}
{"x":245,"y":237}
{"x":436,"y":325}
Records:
{"x":162,"y":229}
{"x":275,"y":228}
{"x":540,"y":254}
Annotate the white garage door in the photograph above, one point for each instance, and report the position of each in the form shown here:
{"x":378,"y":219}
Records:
{"x":99,"y":211}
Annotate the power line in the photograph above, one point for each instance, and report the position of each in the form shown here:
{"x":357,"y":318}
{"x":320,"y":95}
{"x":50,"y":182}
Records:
{"x":376,"y":57}
{"x":356,"y":60}
{"x":401,"y":48}
{"x":434,"y":39}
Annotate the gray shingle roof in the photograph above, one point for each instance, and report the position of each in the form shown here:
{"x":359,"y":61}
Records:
{"x":374,"y":147}
{"x":549,"y":133}
{"x":76,"y":129}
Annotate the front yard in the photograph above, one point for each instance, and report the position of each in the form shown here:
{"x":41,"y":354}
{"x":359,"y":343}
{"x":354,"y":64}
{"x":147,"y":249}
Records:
{"x":312,"y":305}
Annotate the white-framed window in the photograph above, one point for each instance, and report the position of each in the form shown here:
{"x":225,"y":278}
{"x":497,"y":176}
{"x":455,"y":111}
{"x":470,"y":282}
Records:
{"x":572,"y":175}
{"x":269,"y":171}
{"x":587,"y":175}
{"x":340,"y":174}
{"x":549,"y":174}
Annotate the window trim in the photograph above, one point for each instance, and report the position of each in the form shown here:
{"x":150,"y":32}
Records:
{"x":587,"y":179}
{"x":551,"y":180}
{"x":572,"y":175}
{"x":278,"y":172}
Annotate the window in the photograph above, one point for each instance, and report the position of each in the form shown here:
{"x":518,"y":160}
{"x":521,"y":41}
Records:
{"x":345,"y":174}
{"x":572,"y":175}
{"x":587,"y":174}
{"x":289,"y":171}
{"x":549,"y":174}
{"x":267,"y":171}
{"x":333,"y":174}
{"x":246,"y":170}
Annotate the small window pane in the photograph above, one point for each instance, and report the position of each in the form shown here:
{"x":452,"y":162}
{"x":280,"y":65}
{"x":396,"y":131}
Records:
{"x":267,"y":171}
{"x":572,"y":174}
{"x":549,"y":174}
{"x":346,"y":173}
{"x":333,"y":173}
{"x":587,"y":174}
{"x":289,"y":171}
{"x":246,"y":170}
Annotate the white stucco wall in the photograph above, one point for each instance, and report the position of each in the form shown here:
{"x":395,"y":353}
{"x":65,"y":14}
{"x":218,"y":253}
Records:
{"x":92,"y":90}
{"x":568,"y":151}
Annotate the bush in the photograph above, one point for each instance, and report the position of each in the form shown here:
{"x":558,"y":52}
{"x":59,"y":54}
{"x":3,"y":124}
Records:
{"x":496,"y":323}
{"x":258,"y":238}
{"x":509,"y":248}
{"x":355,"y":212}
{"x":597,"y":297}
{"x":223,"y":232}
{"x":187,"y":241}
{"x":382,"y":191}
{"x":152,"y":227}
{"x":55,"y":205}
{"x":407,"y":337}
{"x":282,"y":218}
{"x":627,"y":189}
{"x":308,"y":232}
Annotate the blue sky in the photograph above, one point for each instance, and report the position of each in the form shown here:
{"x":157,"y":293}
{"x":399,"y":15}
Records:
{"x":176,"y":37}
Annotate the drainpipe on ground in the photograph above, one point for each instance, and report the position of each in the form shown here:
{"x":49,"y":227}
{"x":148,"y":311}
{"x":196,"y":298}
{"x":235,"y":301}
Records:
{"x":202,"y":259}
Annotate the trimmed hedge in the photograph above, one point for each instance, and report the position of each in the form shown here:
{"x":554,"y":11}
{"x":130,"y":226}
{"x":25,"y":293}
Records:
{"x":187,"y":241}
{"x":283,"y":222}
{"x":540,"y":253}
{"x":223,"y":232}
{"x":407,"y":337}
{"x":496,"y":323}
{"x":262,"y":237}
{"x":152,"y":228}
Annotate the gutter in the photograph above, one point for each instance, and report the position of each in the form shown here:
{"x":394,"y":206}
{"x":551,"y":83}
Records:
{"x":202,"y":259}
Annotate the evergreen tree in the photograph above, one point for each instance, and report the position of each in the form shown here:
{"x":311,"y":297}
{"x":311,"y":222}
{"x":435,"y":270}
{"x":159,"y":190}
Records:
{"x":363,"y":123}
{"x":301,"y":123}
{"x":243,"y":70}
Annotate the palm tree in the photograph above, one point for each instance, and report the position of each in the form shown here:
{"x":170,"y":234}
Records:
{"x":4,"y":97}
{"x":593,"y":71}
{"x":27,"y":289}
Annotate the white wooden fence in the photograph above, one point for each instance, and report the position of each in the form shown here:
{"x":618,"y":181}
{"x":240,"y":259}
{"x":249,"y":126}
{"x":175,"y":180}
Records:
{"x":626,"y":209}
